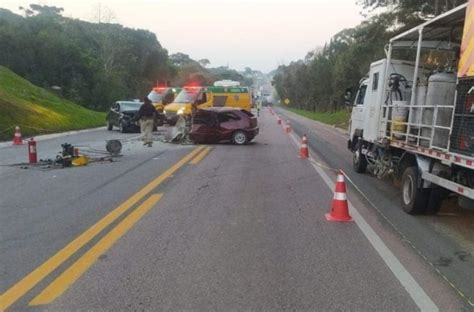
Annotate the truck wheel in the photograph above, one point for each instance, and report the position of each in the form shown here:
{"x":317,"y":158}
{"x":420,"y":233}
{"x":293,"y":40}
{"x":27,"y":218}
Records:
{"x":109,"y":126}
{"x":437,"y":195}
{"x":414,"y":199}
{"x":359,"y":162}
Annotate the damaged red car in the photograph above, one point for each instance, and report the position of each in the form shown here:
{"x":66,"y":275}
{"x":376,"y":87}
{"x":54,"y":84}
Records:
{"x":223,"y":124}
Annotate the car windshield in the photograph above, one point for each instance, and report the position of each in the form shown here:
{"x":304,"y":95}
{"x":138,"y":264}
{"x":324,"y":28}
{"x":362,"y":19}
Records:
{"x":187,"y":95}
{"x":130,"y":106}
{"x":155,"y":96}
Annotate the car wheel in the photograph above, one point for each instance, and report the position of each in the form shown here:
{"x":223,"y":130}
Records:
{"x":122,"y":127}
{"x":359,"y":162}
{"x":109,"y":125}
{"x":414,"y":199}
{"x":239,"y":137}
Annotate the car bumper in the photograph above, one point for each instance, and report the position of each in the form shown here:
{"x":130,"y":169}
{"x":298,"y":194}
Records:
{"x":129,"y":124}
{"x":252,"y":133}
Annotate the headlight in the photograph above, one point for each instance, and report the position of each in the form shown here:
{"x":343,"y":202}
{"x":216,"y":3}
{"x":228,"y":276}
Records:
{"x":164,"y":112}
{"x":180,"y":111}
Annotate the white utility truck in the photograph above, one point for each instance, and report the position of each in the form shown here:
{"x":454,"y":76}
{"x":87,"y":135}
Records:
{"x":413,"y":115}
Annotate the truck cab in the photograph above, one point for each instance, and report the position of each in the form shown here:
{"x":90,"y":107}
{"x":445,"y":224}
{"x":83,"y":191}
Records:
{"x":204,"y":97}
{"x":367,"y":112}
{"x":182,"y":104}
{"x":161,"y":96}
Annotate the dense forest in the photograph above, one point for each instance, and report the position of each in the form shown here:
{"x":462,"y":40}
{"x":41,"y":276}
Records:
{"x":317,"y":82}
{"x":94,"y":64}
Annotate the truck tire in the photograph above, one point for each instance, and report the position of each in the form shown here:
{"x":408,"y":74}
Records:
{"x":437,"y":195}
{"x":359,"y":162}
{"x":414,"y":199}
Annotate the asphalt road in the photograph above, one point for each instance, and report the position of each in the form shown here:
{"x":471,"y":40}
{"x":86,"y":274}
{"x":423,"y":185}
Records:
{"x":220,"y":227}
{"x":445,"y":241}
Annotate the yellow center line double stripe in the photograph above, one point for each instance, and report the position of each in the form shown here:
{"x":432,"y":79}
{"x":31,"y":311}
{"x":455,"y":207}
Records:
{"x":74,"y":272}
{"x":200,"y":156}
{"x":23,"y":286}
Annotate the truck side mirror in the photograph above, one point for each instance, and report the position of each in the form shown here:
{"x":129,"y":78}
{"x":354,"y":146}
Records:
{"x":348,"y":97}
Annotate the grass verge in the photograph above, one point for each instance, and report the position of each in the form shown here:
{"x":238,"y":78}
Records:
{"x":339,"y":119}
{"x":38,"y":111}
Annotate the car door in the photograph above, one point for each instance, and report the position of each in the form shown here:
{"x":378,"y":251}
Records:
{"x":228,"y":123}
{"x":205,"y":127}
{"x":357,"y":116}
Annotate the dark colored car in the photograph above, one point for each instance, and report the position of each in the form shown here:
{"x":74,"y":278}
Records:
{"x":122,"y":115}
{"x":223,"y":124}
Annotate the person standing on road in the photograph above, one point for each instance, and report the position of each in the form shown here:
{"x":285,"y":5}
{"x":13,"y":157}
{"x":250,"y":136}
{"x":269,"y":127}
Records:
{"x":146,"y":117}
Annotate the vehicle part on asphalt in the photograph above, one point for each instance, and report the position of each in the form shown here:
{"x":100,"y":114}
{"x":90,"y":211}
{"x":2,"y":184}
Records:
{"x":81,"y":160}
{"x":180,"y":132}
{"x":114,"y":147}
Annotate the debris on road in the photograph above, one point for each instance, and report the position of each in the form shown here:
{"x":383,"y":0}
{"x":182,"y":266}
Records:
{"x":70,"y":156}
{"x":114,"y":147}
{"x":180,"y":132}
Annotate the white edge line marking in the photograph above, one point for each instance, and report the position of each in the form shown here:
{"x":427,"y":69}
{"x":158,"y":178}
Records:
{"x":419,"y":296}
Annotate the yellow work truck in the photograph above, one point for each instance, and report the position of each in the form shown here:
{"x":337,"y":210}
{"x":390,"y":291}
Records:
{"x":202,"y":97}
{"x":160,"y":97}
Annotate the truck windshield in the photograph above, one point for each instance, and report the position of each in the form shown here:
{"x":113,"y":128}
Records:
{"x":187,"y":96}
{"x":155,"y":97}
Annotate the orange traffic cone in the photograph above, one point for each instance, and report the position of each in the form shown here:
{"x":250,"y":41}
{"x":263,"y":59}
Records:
{"x":340,"y":208}
{"x":288,"y":128}
{"x":17,"y":140}
{"x":304,"y":153}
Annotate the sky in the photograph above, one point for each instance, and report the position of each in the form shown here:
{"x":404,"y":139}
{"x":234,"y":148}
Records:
{"x":260,"y":34}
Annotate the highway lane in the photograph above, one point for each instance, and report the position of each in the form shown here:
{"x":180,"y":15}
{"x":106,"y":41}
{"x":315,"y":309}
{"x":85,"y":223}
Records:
{"x":446,"y":240}
{"x":242,"y":227}
{"x":223,"y":228}
{"x":43,"y":210}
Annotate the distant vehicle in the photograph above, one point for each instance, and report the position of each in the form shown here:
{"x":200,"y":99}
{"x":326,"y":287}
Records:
{"x":213,"y":125}
{"x":122,"y":114}
{"x":226,"y":83}
{"x":160,"y":97}
{"x":203,"y":97}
